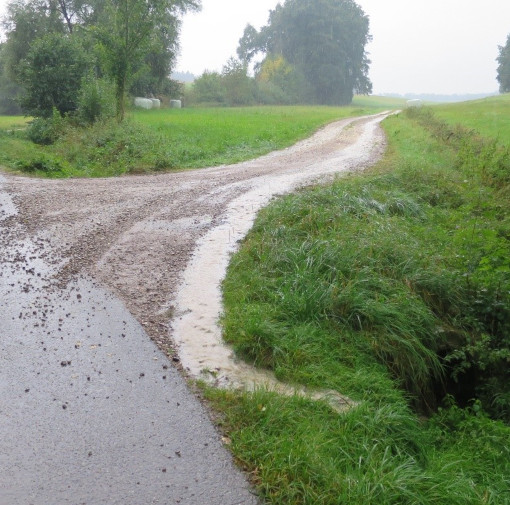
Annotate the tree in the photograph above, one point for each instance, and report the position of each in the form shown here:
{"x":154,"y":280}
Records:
{"x":126,"y":35}
{"x":504,"y":67}
{"x":152,"y":77}
{"x":209,"y":88}
{"x":279,"y":81}
{"x":27,"y":21}
{"x":130,"y":39}
{"x":239,"y":87}
{"x":9,"y":90}
{"x":51,"y":75}
{"x":324,"y":40}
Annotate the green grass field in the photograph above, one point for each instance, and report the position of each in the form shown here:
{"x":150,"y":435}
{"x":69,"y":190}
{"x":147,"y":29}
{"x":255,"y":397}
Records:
{"x":490,"y":116}
{"x":391,"y":287}
{"x":168,"y":139}
{"x":10,"y":122}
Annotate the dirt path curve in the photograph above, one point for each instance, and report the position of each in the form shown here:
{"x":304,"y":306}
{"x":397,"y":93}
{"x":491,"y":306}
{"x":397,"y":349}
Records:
{"x":75,"y":255}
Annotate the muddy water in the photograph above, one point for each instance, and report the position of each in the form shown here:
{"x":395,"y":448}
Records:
{"x":198,"y":303}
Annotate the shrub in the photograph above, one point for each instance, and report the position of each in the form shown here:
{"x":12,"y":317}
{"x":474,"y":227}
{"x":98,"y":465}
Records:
{"x":46,"y":131}
{"x":41,"y":163}
{"x":208,"y":88}
{"x":96,"y":100}
{"x":51,"y":75}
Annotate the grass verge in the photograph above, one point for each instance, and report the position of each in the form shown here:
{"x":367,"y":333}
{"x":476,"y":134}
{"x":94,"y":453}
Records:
{"x":392,"y":287}
{"x":167,"y":139}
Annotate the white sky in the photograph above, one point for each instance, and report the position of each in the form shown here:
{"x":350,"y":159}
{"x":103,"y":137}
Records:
{"x":419,"y":46}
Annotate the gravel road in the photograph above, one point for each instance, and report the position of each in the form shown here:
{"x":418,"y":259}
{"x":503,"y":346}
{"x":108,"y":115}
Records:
{"x":91,"y":410}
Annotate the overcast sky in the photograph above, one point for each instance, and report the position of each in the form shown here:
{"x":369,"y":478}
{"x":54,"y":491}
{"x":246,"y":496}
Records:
{"x":419,"y":46}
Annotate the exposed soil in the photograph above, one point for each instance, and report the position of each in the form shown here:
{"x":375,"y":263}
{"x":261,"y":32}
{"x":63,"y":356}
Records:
{"x":136,"y":235}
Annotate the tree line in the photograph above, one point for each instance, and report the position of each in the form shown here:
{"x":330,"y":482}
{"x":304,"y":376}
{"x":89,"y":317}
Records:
{"x":58,"y":52}
{"x":310,"y":51}
{"x":87,"y":55}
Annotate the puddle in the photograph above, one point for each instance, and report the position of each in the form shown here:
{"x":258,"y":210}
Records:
{"x":199,"y":304}
{"x":7,"y":207}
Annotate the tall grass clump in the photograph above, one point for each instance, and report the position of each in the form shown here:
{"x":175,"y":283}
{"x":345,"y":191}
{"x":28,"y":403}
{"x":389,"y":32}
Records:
{"x":392,"y":287}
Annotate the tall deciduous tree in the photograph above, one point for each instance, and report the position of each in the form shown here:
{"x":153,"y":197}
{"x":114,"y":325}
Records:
{"x":504,"y":67}
{"x":324,"y":40}
{"x":126,"y":36}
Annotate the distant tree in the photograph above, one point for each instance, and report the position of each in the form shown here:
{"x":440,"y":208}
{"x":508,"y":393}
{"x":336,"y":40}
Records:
{"x":324,"y":40}
{"x":51,"y":75}
{"x":279,"y":81}
{"x":239,"y":87}
{"x":504,"y":67}
{"x":208,"y":88}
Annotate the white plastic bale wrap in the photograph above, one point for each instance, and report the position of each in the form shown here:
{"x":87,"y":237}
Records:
{"x":414,"y":103}
{"x":144,"y":103}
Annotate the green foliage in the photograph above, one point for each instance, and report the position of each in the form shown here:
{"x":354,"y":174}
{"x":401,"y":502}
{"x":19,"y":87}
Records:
{"x":239,"y":88}
{"x":388,"y":287}
{"x":503,"y":60}
{"x":324,"y":40}
{"x":134,"y":42}
{"x":8,"y":89}
{"x":169,"y":139}
{"x":278,"y":81}
{"x":233,"y":87}
{"x":51,"y":75}
{"x":42,"y":164}
{"x":127,"y":37}
{"x":27,"y":21}
{"x":208,"y":88}
{"x":96,"y":100}
{"x":46,"y":131}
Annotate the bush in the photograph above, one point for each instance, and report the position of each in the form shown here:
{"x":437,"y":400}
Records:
{"x":46,"y":131}
{"x":41,"y":163}
{"x":51,"y":75}
{"x":208,"y":88}
{"x":96,"y":100}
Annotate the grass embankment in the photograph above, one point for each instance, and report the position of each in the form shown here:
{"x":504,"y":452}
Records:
{"x":167,"y":139}
{"x":489,"y":116}
{"x":392,"y":287}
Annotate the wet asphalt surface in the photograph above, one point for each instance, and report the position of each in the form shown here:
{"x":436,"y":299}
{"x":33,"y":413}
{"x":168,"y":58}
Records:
{"x":91,"y":411}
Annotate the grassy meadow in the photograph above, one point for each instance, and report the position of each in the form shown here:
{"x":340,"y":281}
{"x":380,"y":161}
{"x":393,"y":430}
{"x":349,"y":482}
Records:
{"x":392,"y":287}
{"x":167,"y":139}
{"x":490,"y":116}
